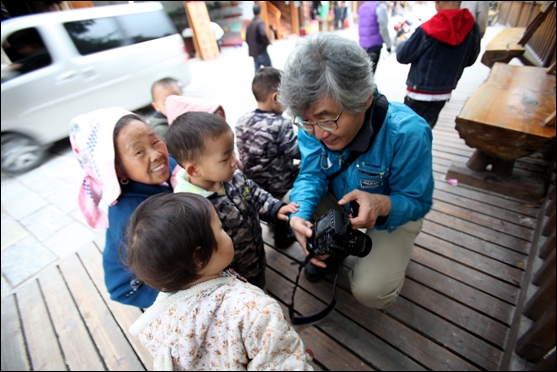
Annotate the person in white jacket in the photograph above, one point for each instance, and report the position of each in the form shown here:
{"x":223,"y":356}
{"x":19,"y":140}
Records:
{"x":205,"y":318}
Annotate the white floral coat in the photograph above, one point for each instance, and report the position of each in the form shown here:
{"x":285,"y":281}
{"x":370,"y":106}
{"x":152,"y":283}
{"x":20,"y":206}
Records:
{"x":220,"y":324}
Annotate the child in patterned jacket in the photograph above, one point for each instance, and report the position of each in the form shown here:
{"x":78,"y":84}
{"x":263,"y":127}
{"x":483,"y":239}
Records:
{"x":204,"y":318}
{"x":268,"y":145}
{"x":203,"y":145}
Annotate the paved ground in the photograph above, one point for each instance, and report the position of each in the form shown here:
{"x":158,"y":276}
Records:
{"x":41,"y":222}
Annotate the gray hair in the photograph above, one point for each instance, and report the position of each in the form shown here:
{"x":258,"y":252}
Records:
{"x":325,"y":65}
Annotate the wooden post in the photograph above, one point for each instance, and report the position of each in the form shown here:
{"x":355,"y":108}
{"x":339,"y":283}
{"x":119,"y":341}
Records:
{"x":294,"y":17}
{"x":204,"y":38}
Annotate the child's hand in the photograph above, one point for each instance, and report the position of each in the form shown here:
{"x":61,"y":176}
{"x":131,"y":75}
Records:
{"x":288,"y":208}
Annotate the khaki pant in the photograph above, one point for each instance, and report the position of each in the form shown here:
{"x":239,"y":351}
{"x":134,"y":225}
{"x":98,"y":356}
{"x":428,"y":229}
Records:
{"x":376,"y":280}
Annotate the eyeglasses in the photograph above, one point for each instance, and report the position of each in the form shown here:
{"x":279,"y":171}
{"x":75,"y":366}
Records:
{"x":325,"y":124}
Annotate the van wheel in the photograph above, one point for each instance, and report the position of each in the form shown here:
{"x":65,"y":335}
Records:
{"x":20,"y":153}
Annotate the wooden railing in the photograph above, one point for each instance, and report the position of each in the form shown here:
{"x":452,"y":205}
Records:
{"x":537,"y":343}
{"x":541,"y":46}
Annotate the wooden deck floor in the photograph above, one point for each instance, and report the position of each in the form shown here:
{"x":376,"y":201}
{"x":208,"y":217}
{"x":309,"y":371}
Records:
{"x":454,"y":313}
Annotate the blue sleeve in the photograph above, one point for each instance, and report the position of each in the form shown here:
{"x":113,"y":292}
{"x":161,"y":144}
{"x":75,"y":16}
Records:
{"x":411,"y":178}
{"x":410,"y":50}
{"x":311,"y":184}
{"x":117,"y":277}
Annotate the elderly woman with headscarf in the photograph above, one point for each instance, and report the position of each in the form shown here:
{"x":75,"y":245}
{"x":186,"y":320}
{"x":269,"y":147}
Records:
{"x":124,"y":163}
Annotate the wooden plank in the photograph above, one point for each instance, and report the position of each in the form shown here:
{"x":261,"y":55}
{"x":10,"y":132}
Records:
{"x":14,"y":355}
{"x":458,"y":314}
{"x":455,"y":339}
{"x":472,"y":237}
{"x":511,"y":221}
{"x":476,"y":279}
{"x":468,"y":295}
{"x":77,"y":346}
{"x":549,"y":226}
{"x":109,"y":339}
{"x":424,"y":351}
{"x":124,"y":315}
{"x":40,"y":337}
{"x":539,"y":338}
{"x":527,"y":188}
{"x":547,"y":246}
{"x":358,"y":340}
{"x":547,"y":271}
{"x":543,"y":297}
{"x":327,"y":351}
{"x":519,"y":207}
{"x":470,"y":242}
{"x":474,"y":216}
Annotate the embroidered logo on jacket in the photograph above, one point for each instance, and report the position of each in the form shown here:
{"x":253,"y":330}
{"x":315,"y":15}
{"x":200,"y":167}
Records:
{"x":365,"y":184}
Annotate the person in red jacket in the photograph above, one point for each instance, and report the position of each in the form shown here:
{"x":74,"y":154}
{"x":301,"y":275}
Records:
{"x":438,"y":52}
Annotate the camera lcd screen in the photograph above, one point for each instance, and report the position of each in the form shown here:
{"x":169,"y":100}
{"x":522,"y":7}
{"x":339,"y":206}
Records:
{"x":322,"y":224}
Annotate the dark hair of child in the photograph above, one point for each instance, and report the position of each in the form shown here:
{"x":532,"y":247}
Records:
{"x":163,"y":83}
{"x":265,"y":82}
{"x":169,"y":239}
{"x":186,"y":137}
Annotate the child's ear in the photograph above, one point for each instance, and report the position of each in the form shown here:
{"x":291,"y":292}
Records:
{"x":155,"y":106}
{"x":274,"y":95}
{"x":192,"y":170}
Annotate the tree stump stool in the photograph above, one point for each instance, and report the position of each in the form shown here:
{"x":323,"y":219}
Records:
{"x":503,"y":120}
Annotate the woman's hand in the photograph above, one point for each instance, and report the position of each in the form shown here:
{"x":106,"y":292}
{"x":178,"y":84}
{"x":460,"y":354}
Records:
{"x":283,"y":212}
{"x":302,"y":230}
{"x":371,"y":207}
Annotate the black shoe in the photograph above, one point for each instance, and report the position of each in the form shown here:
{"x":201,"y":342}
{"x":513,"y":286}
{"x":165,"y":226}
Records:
{"x":282,"y":236}
{"x":314,"y":273}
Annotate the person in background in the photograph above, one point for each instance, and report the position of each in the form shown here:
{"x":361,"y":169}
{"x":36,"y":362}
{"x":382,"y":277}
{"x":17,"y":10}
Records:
{"x":257,"y":40}
{"x":203,"y":145}
{"x":164,"y":88}
{"x":480,"y":11}
{"x":340,"y":15}
{"x":124,"y":163}
{"x":438,"y":52}
{"x":373,"y":30}
{"x":356,"y":146}
{"x":205,"y":318}
{"x":268,"y":145}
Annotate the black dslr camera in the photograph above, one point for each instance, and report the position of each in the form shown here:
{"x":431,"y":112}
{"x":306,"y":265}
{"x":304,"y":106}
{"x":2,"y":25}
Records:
{"x":332,"y":235}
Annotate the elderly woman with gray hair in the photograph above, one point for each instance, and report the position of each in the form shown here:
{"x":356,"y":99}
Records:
{"x":356,"y":147}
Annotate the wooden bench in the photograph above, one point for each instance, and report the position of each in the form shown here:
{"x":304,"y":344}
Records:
{"x":506,"y":118}
{"x":511,"y":42}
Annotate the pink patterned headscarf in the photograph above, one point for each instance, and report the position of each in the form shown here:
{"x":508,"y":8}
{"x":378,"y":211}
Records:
{"x":178,"y":105}
{"x":91,"y":136}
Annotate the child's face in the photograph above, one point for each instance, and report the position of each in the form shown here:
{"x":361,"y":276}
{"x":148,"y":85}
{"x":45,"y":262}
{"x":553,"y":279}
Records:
{"x":159,"y":96}
{"x":219,"y":162}
{"x":142,"y":153}
{"x":224,"y":254}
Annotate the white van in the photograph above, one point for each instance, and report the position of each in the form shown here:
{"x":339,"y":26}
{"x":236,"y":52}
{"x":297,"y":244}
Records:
{"x":61,"y":64}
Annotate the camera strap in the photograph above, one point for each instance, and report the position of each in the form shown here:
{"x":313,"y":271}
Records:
{"x":320,"y":315}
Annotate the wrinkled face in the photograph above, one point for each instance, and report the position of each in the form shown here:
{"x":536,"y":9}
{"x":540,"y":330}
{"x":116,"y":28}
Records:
{"x":219,"y":162}
{"x":159,"y":96}
{"x":348,"y":124}
{"x":223,"y":255}
{"x":142,"y":153}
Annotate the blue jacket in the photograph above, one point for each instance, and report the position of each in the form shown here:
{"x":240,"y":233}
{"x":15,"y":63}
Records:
{"x":439,"y":50}
{"x":117,"y":277}
{"x":398,"y":165}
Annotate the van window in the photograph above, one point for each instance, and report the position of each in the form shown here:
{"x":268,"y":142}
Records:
{"x":26,"y":51}
{"x":142,"y":27}
{"x":95,"y":35}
